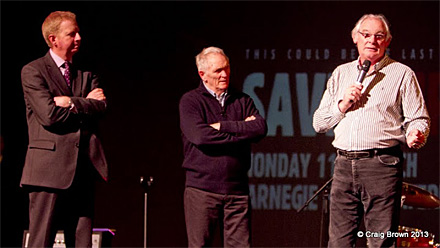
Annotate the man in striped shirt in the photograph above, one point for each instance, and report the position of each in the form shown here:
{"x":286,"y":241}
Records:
{"x":371,"y":120}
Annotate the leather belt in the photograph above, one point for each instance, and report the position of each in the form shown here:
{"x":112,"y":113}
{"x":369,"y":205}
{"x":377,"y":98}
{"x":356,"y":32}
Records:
{"x":369,"y":153}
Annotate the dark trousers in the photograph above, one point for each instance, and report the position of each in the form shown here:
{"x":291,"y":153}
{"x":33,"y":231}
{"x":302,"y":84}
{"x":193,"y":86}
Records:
{"x":369,"y":188}
{"x":205,"y":211}
{"x":70,"y":210}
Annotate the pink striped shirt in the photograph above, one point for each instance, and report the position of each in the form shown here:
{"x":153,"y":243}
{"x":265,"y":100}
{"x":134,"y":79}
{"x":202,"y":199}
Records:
{"x":392,"y":104}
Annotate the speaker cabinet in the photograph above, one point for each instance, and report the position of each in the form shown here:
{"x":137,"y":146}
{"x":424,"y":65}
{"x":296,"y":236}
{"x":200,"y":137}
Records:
{"x":101,"y":237}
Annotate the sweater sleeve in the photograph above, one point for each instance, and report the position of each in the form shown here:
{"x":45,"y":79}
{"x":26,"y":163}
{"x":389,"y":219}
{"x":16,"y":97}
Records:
{"x":253,"y":130}
{"x":195,"y":128}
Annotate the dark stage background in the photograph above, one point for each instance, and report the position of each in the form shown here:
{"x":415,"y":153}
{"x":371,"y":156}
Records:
{"x":281,"y":54}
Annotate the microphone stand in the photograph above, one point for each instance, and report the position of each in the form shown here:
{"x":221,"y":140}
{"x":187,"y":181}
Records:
{"x":324,"y":211}
{"x":146,"y":184}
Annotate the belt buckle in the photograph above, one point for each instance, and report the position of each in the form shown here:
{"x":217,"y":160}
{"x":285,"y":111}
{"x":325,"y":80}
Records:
{"x":350,"y":155}
{"x":356,"y":154}
{"x":362,"y":154}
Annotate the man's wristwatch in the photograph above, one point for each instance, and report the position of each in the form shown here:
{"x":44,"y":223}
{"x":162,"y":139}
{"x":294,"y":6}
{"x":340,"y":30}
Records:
{"x":71,"y":104}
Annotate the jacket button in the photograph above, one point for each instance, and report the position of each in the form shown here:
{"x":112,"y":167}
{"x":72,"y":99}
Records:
{"x":77,"y":144}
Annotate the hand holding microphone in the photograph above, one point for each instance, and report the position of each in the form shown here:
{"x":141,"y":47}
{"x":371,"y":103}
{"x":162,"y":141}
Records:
{"x":363,"y":72}
{"x":353,"y":92}
{"x":356,"y":93}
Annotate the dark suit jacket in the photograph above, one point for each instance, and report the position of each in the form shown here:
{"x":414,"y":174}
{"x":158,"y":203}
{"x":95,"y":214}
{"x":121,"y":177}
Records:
{"x":55,"y":132}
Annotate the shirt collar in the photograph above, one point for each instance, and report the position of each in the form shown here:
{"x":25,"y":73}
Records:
{"x":378,"y":66}
{"x":222,"y":95}
{"x":220,"y":98}
{"x":58,"y":60}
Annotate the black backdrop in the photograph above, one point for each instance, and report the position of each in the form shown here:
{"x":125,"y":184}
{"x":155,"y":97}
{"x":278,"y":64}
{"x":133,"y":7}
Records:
{"x":280,"y":52}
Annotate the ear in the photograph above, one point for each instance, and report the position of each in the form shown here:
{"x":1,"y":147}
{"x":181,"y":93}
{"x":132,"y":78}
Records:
{"x":202,"y":75}
{"x":355,"y":39}
{"x":52,"y":39}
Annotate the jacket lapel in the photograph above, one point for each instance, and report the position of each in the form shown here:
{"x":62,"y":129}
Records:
{"x":76,"y":81}
{"x":56,"y":75}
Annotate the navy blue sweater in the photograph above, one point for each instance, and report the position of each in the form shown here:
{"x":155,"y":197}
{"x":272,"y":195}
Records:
{"x":218,"y":160}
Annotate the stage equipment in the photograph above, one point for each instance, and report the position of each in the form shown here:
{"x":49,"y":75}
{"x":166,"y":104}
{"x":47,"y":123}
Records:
{"x":101,"y":237}
{"x":417,"y":197}
{"x":413,"y":237}
{"x":324,"y":211}
{"x":146,"y":185}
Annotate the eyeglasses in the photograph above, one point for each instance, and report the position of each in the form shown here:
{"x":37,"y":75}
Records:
{"x":376,"y":36}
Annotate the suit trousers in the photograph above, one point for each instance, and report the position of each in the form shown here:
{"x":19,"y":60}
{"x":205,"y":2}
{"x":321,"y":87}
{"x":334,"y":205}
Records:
{"x":369,"y":188}
{"x":70,"y":210}
{"x":205,"y":211}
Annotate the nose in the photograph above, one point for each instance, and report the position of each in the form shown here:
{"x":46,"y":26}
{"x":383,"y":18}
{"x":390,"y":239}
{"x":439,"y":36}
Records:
{"x":223,"y":73}
{"x":77,"y":37}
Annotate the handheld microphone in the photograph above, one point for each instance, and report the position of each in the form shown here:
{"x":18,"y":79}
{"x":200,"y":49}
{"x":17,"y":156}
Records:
{"x":363,"y":72}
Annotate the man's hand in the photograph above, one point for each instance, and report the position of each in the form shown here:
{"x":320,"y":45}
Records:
{"x":352,"y":94}
{"x":215,"y":125}
{"x":62,"y":101}
{"x":97,"y":94}
{"x":415,"y":139}
{"x":250,"y":118}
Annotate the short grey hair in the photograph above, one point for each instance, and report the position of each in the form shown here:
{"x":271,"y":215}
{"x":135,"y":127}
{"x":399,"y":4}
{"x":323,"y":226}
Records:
{"x":373,"y":16}
{"x":201,"y":60}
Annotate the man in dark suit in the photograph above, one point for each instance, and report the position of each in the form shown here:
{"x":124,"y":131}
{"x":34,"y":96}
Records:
{"x":64,"y":155}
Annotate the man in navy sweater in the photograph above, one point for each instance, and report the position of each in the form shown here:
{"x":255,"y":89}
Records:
{"x":218,"y":126}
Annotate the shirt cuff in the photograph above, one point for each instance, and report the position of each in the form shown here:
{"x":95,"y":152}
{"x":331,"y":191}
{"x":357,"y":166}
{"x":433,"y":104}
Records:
{"x":337,"y":112}
{"x":72,"y":107}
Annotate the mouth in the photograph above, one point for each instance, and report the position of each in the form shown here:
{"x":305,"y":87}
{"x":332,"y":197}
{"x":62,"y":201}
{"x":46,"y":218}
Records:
{"x":372,"y":49}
